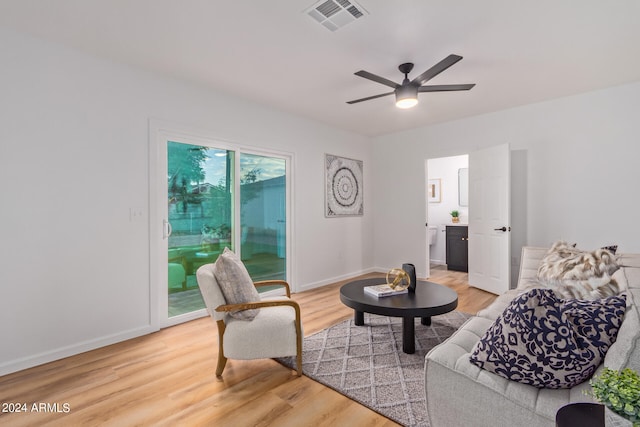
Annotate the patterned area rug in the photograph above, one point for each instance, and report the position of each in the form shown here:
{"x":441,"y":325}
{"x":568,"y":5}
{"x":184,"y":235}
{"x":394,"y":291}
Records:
{"x":367,"y":364}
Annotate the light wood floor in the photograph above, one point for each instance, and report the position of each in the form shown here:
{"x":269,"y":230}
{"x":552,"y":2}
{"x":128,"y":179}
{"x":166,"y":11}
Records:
{"x":167,"y":378}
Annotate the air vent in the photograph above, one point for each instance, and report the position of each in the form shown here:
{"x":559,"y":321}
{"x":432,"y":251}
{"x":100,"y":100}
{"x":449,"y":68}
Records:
{"x":334,"y":14}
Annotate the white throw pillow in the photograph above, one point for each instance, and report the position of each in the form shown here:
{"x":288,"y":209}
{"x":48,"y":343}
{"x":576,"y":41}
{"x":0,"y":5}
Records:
{"x":235,"y":283}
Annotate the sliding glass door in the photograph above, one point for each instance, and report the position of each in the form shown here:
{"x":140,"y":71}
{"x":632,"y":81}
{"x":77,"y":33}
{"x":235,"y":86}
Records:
{"x":217,"y":197}
{"x":263,"y":216}
{"x":200,"y":202}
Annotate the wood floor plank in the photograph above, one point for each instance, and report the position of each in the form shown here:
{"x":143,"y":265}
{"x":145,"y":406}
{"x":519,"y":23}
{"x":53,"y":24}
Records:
{"x":167,"y":378}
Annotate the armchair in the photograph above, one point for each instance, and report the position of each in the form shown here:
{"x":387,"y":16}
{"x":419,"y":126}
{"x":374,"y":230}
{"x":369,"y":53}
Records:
{"x":276,"y":331}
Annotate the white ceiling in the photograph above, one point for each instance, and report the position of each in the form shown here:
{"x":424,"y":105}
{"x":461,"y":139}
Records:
{"x":272,"y":53}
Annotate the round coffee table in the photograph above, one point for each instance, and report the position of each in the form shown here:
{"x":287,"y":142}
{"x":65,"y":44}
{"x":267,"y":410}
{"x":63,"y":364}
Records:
{"x":430,"y":299}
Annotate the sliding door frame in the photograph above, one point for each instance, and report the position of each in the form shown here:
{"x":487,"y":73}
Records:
{"x":159,"y":133}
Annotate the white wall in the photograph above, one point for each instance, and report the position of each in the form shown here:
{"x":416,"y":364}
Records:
{"x":446,"y":170}
{"x":574,"y":173}
{"x":74,"y":159}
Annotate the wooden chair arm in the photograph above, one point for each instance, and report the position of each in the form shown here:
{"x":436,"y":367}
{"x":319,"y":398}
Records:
{"x":259,"y":304}
{"x":274,"y":283}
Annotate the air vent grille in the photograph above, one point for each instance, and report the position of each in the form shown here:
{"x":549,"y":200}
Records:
{"x":354,"y":11}
{"x":335,"y":14}
{"x":328,"y":8}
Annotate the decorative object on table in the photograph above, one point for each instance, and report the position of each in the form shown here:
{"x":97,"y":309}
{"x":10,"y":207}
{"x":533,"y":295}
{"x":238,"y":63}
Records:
{"x":344,"y":192}
{"x":398,"y":282}
{"x":620,"y":392}
{"x":398,"y":279}
{"x":384,"y":290}
{"x":455,"y":216}
{"x":410,"y":269}
{"x":433,"y":191}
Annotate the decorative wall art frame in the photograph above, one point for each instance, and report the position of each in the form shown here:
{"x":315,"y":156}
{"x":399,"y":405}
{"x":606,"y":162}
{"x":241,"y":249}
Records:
{"x":344,"y":190}
{"x":433,"y":191}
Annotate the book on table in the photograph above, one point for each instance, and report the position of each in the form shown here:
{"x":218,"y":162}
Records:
{"x":384,"y":290}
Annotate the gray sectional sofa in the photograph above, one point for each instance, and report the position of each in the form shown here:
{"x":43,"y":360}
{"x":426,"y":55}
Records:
{"x":458,"y":393}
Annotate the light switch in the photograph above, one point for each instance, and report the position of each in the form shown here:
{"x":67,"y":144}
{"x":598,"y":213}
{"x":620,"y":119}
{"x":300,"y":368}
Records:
{"x":135,"y":214}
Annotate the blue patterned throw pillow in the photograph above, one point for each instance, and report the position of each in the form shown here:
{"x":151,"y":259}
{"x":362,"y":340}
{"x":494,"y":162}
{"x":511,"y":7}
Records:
{"x":548,"y":342}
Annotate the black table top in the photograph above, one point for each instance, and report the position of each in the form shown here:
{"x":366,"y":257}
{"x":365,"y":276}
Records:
{"x":430,"y":299}
{"x":581,"y":415}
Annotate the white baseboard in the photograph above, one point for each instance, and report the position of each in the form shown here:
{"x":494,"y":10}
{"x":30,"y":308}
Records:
{"x":62,"y":352}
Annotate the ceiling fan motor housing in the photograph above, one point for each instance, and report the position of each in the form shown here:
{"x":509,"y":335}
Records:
{"x":406,"y":95}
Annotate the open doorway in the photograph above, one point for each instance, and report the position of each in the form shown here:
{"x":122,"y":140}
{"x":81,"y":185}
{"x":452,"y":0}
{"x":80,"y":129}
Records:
{"x":447,"y":191}
{"x":480,"y":240}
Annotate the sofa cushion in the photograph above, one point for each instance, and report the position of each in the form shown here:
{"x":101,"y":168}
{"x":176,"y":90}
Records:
{"x":547,"y":342}
{"x":235,"y":283}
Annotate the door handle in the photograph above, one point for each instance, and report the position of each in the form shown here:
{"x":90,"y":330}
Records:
{"x":166,"y":229}
{"x":501,"y":229}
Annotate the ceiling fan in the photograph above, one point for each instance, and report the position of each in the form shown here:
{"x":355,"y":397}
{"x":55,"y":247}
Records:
{"x":407,"y":92}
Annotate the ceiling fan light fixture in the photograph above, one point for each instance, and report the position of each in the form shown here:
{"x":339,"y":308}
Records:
{"x":407,"y":96}
{"x":407,"y":92}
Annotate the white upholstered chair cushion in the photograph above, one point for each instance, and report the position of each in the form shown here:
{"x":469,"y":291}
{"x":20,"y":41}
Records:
{"x":271,"y":333}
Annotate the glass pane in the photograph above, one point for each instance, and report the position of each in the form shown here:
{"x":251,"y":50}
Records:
{"x":200,"y":204}
{"x":263,"y":216}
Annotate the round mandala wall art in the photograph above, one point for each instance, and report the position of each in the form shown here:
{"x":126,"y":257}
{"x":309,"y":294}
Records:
{"x":344,"y":193}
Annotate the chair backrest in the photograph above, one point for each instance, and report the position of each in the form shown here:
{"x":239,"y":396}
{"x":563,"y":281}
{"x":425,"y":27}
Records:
{"x":211,"y":292}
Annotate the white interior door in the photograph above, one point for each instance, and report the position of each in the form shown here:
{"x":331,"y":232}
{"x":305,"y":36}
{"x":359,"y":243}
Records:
{"x":489,"y":219}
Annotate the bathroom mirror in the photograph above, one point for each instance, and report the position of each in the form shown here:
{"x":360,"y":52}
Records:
{"x":463,"y":187}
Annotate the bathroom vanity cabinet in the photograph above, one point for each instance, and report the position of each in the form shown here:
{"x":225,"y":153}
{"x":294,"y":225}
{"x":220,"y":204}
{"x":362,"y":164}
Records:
{"x":457,"y":237}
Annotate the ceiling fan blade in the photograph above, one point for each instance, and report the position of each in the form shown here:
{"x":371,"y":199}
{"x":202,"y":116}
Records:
{"x":370,"y":97}
{"x":436,"y":69}
{"x":377,"y":79}
{"x":445,"y":88}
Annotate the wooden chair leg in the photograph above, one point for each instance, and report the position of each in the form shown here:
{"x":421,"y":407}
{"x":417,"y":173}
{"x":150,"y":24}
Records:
{"x":298,"y":343}
{"x":299,"y":363}
{"x":222,"y":360}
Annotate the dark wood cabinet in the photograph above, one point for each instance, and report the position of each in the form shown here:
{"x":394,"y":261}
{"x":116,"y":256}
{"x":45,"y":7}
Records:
{"x":458,"y":248}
